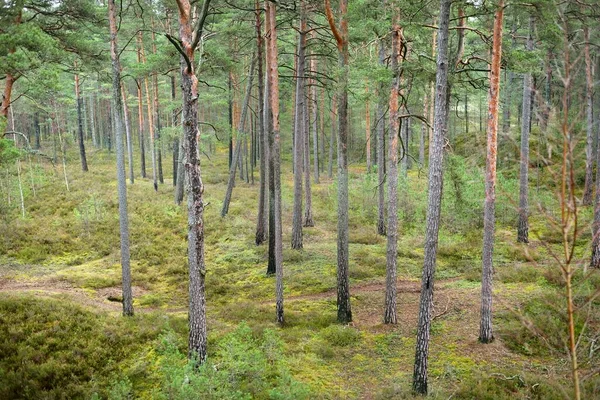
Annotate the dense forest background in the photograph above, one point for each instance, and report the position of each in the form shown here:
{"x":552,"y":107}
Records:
{"x":299,"y":199}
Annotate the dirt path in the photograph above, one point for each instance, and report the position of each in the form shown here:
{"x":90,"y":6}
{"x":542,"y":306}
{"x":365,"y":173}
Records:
{"x":99,"y":299}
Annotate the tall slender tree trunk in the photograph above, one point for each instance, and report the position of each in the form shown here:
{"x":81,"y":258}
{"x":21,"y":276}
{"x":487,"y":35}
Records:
{"x":80,"y":137}
{"x":380,"y":128}
{"x":299,"y":132}
{"x":240,"y":144}
{"x":121,"y":183}
{"x":308,"y":217}
{"x":176,"y":138}
{"x":36,"y":127}
{"x":485,"y":331}
{"x":158,"y":145}
{"x":128,"y":134}
{"x":389,"y":316}
{"x":523,"y":226}
{"x":589,"y":89}
{"x":368,"y":130}
{"x":197,"y":342}
{"x":332,"y":137}
{"x":434,"y":201}
{"x":315,"y":132}
{"x":262,"y":220}
{"x":150,"y":116}
{"x":274,"y":142}
{"x":344,"y":311}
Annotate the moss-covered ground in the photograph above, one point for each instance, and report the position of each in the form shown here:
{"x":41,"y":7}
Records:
{"x":62,"y":334}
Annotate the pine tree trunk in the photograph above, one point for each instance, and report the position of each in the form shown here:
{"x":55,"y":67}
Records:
{"x":80,"y":137}
{"x":299,"y":132}
{"x":485,"y":331}
{"x":128,"y":134}
{"x":332,"y":138}
{"x":197,"y":342}
{"x":434,"y":200}
{"x":308,"y":217}
{"x":380,"y":128}
{"x":274,"y":142}
{"x":240,"y":144}
{"x":344,"y":312}
{"x":121,"y":182}
{"x":315,"y":132}
{"x":368,"y":130}
{"x":589,"y":89}
{"x":390,"y":316}
{"x":262,"y":220}
{"x":523,"y":226}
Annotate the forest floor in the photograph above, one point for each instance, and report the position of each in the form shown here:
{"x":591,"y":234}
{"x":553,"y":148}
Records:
{"x":60,"y":290}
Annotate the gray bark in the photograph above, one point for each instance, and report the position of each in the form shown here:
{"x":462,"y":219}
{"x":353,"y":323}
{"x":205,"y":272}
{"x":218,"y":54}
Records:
{"x":121,"y":183}
{"x":485,"y":330}
{"x":84,"y":166}
{"x":589,"y":88}
{"x":344,"y":312}
{"x":262,"y":220}
{"x":523,"y":227}
{"x":128,"y":136}
{"x":380,"y":128}
{"x":240,"y":142}
{"x":315,"y":134}
{"x":390,"y":316}
{"x":299,"y":132}
{"x":331,"y":141}
{"x":434,"y":200}
{"x":308,"y":218}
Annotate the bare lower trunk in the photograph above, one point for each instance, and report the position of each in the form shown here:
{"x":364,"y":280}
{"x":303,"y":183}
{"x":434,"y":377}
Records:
{"x":434,"y":200}
{"x":121,"y":180}
{"x":523,"y":227}
{"x":344,"y":311}
{"x":262,"y":220}
{"x":275,"y":157}
{"x":331,"y":139}
{"x":381,"y":147}
{"x":197,"y":342}
{"x":315,"y":132}
{"x":389,"y":316}
{"x":128,"y":135}
{"x":308,"y":217}
{"x":485,"y":331}
{"x":240,"y":144}
{"x":299,"y":132}
{"x":80,"y":137}
{"x":589,"y":88}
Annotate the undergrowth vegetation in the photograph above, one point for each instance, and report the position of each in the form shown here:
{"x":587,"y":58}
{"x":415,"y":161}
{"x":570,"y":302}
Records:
{"x":67,"y":247}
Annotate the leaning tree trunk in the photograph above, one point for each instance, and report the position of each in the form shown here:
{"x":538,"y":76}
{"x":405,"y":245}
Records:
{"x":523,"y":227}
{"x":121,"y":183}
{"x":589,"y":88}
{"x":239,"y":142}
{"x":485,"y":331}
{"x":381,"y":146}
{"x":262,"y":220}
{"x":299,"y":132}
{"x":344,"y":311}
{"x":434,"y":200}
{"x":389,"y":316}
{"x":197,"y":342}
